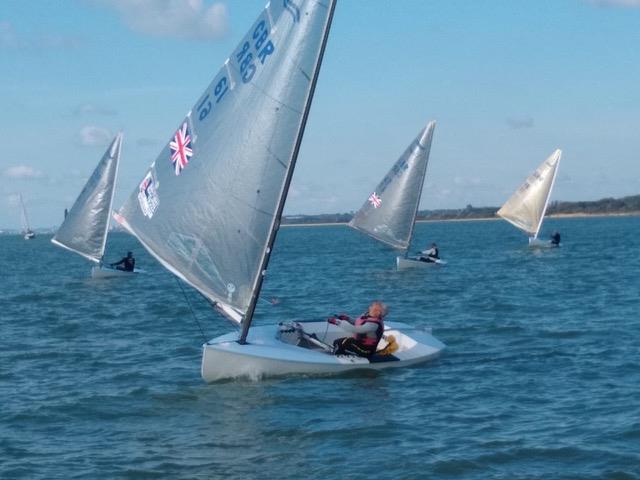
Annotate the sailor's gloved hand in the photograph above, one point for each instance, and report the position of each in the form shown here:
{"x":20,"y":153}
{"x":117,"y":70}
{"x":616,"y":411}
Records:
{"x":342,"y":316}
{"x":332,"y":320}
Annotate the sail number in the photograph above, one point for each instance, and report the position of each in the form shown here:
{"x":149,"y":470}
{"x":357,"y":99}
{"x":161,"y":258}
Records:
{"x":218,"y":92}
{"x":397,"y":169}
{"x":259,"y":48}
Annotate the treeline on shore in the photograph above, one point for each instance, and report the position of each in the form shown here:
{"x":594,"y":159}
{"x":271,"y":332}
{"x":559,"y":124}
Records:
{"x":605,"y":206}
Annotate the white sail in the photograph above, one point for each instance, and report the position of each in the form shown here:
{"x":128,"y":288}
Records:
{"x":84,"y":230}
{"x":527,"y":206}
{"x":26,"y":228}
{"x":389,"y":213}
{"x":209,"y":206}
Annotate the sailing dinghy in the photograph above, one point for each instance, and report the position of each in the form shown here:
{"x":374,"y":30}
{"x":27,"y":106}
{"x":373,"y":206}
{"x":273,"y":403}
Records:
{"x":389,"y":214}
{"x":85,"y":228}
{"x":525,"y":209}
{"x":27,"y":233}
{"x":210,"y":206}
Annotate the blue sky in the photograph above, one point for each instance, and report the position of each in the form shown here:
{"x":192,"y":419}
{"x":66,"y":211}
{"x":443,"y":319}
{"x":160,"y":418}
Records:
{"x":508,"y":81}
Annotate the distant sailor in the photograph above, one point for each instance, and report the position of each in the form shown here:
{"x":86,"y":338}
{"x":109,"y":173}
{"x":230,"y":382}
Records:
{"x":430,"y":255}
{"x":555,"y":238}
{"x":127,"y":263}
{"x":367,"y":331}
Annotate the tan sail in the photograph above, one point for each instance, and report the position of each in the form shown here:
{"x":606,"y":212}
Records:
{"x":526,"y":207}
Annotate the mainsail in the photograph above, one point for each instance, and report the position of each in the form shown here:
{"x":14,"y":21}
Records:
{"x":527,"y":206}
{"x":390,"y":211}
{"x":209,"y":206}
{"x":26,"y":228}
{"x":84,"y":230}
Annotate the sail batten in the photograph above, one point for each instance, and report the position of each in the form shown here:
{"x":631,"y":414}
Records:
{"x":526,"y":208}
{"x":209,"y":206}
{"x":388,"y":215}
{"x":85,"y":228}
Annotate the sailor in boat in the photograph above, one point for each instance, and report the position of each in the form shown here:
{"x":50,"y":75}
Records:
{"x":127,"y":263}
{"x":555,"y":238}
{"x":366,"y":330}
{"x":430,"y":255}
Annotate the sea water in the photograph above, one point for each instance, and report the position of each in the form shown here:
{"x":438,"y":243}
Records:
{"x":540,"y":378}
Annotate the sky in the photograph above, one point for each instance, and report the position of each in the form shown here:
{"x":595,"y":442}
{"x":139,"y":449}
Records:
{"x":508,"y":82}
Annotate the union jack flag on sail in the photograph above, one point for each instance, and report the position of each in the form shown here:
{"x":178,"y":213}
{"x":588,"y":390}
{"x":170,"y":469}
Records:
{"x":181,"y":148}
{"x":375,"y":200}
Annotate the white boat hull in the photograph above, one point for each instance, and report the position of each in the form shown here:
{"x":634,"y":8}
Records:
{"x":270,"y":352}
{"x":405,"y":263}
{"x":29,"y":236}
{"x":101,"y":271}
{"x":537,"y":243}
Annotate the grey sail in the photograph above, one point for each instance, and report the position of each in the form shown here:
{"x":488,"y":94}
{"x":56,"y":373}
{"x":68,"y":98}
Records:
{"x":84,"y":229}
{"x":209,"y":205}
{"x":389,"y":212}
{"x":525,"y":209}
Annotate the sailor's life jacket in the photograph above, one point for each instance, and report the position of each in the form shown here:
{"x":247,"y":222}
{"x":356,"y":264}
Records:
{"x":129,"y":264}
{"x":433,"y":252}
{"x":371,"y":339}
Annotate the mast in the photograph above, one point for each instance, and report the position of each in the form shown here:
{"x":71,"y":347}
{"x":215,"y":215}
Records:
{"x":546,"y":202}
{"x":113,"y":191}
{"x":275,"y":224}
{"x":26,"y":226}
{"x":424,"y":174}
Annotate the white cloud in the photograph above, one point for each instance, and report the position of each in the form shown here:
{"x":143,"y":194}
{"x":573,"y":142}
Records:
{"x":147,"y":142}
{"x":617,"y":3}
{"x":311,"y":198}
{"x":518,"y":123}
{"x":92,"y":136}
{"x":294,"y":193}
{"x":467,"y":182}
{"x":13,"y":199}
{"x":173,"y":18}
{"x":51,"y":41}
{"x":564,"y":178}
{"x":23,"y":172}
{"x":91,"y":109}
{"x":11,"y":39}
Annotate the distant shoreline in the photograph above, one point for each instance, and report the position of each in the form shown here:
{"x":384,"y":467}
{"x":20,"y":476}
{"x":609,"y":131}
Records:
{"x":605,"y":207}
{"x":579,"y":215}
{"x":483,"y":214}
{"x":430,"y":220}
{"x":477,"y":219}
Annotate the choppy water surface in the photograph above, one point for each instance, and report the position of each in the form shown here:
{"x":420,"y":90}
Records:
{"x":100,"y":379}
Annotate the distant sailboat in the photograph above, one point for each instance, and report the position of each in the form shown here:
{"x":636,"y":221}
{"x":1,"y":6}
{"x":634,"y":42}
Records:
{"x":85,"y":227}
{"x":389,"y":214}
{"x":525,"y":209}
{"x":210,"y":206}
{"x":26,"y":228}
